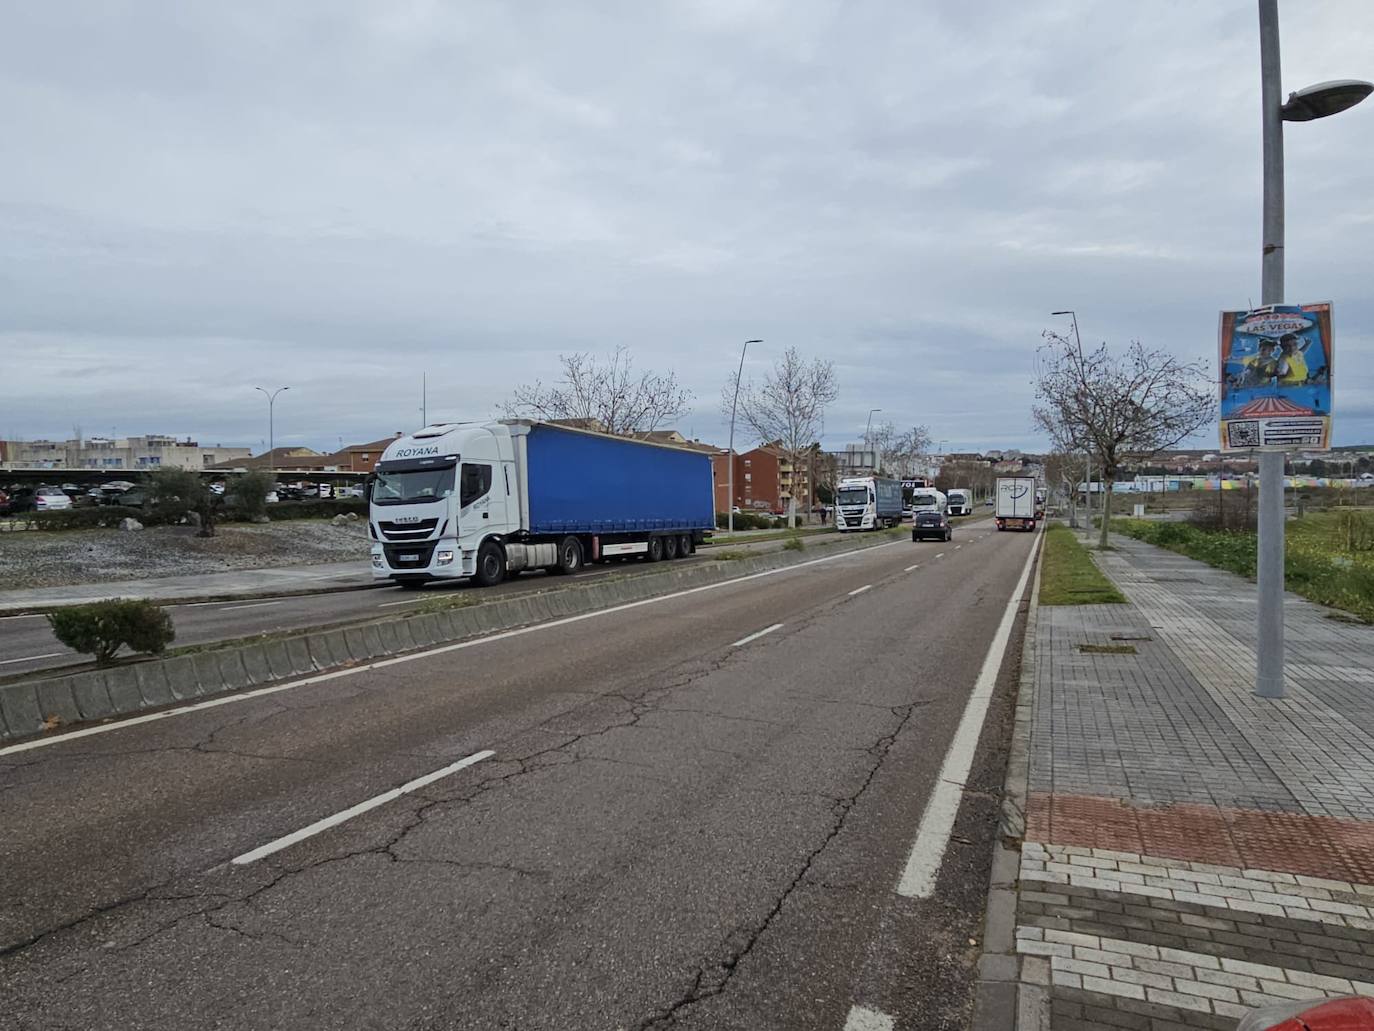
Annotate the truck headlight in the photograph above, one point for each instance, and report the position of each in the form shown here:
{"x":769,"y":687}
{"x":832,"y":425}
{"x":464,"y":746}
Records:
{"x":376,"y":560}
{"x":445,"y":557}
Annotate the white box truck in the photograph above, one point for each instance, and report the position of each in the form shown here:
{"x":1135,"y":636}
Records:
{"x":1015,"y":503}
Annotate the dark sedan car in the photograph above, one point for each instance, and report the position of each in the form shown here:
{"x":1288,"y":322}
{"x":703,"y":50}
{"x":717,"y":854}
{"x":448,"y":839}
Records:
{"x":933,"y":526}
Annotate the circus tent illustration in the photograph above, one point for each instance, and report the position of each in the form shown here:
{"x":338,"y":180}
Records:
{"x":1270,"y":408}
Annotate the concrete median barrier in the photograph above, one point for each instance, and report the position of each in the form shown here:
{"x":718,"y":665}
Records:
{"x":19,"y":703}
{"x":152,"y":683}
{"x":153,"y":687}
{"x":55,"y":699}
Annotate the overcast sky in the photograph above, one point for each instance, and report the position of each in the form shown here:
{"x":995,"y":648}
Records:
{"x":197,"y":198}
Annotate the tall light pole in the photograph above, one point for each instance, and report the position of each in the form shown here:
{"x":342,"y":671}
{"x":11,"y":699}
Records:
{"x":1088,"y":455}
{"x":271,"y":426}
{"x":730,"y":457}
{"x":868,"y":446}
{"x":1319,"y":101}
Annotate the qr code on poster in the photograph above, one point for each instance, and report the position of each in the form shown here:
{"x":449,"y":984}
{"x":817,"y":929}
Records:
{"x":1243,"y":434}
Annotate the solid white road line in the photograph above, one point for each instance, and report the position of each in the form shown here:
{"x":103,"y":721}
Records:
{"x":286,"y":841}
{"x":391,"y":604}
{"x":860,"y":590}
{"x":255,"y":605}
{"x":33,"y":658}
{"x":861,"y":1018}
{"x":757,"y":634}
{"x":932,"y":837}
{"x":444,"y":649}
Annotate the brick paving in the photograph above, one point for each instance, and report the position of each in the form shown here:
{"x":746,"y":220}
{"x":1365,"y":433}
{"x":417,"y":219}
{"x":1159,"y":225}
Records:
{"x":1190,"y":850}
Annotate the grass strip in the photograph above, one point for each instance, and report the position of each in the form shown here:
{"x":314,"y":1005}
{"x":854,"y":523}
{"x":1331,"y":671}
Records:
{"x":1069,"y":576}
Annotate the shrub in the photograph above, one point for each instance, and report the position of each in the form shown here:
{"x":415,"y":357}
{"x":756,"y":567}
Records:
{"x":322,"y":508}
{"x":175,"y":493}
{"x":794,"y":544}
{"x":103,"y":627}
{"x":246,"y":493}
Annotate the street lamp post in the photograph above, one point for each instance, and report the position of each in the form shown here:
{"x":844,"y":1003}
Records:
{"x":271,"y":425}
{"x":730,"y":457}
{"x":1314,"y":102}
{"x":868,"y":446}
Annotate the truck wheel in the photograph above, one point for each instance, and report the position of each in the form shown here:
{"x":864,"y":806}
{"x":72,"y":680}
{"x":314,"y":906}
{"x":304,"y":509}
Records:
{"x":670,"y":547}
{"x":655,"y":553}
{"x":684,"y":545}
{"x":491,"y":565}
{"x":569,"y":557}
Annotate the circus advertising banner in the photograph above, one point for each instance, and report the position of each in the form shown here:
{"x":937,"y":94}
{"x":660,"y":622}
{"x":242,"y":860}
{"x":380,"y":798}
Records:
{"x":1276,"y":378}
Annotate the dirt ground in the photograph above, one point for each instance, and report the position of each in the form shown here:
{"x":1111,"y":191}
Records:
{"x":61,"y":558}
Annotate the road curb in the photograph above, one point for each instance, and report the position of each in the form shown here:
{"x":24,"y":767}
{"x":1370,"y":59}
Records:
{"x":1002,"y":1001}
{"x":37,"y":705}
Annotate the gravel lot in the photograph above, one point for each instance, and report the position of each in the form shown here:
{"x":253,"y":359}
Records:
{"x":59,"y":559}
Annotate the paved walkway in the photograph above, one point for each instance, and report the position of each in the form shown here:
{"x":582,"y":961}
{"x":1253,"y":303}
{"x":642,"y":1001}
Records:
{"x":279,"y":580}
{"x":1192,"y":851}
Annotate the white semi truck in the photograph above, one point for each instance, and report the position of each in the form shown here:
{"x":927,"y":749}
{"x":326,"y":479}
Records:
{"x":960,"y":501}
{"x":1015,"y":503}
{"x":867,"y":503}
{"x":928,"y":499}
{"x":484,"y":500}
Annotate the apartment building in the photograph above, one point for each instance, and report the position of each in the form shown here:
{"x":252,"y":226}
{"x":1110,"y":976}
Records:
{"x":110,"y":454}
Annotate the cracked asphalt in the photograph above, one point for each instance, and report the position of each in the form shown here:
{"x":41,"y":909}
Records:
{"x":672,"y":833}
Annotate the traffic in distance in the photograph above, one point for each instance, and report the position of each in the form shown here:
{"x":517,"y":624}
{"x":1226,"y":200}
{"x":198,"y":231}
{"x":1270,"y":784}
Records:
{"x":486,"y":500}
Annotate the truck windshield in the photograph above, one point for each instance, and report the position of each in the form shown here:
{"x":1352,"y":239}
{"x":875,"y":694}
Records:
{"x":398,"y":488}
{"x":853,"y":496}
{"x":923,"y":501}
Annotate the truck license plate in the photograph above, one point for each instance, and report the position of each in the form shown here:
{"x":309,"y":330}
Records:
{"x":410,"y":558}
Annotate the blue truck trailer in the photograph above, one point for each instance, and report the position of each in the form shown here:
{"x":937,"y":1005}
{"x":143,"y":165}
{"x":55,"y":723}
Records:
{"x":488,"y":500}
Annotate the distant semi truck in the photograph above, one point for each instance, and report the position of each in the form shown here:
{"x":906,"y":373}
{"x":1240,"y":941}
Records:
{"x":867,"y":503}
{"x":1015,"y":503}
{"x":928,"y":499}
{"x":489,"y":499}
{"x":960,"y":501}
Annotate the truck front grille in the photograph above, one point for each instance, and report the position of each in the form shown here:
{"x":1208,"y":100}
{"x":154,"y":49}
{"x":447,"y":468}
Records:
{"x":406,"y":531}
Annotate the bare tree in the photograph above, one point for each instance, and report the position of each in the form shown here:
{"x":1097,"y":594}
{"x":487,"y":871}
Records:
{"x":788,"y":409}
{"x":900,"y":453}
{"x":610,"y":394}
{"x":1115,"y":406}
{"x":1067,"y":469}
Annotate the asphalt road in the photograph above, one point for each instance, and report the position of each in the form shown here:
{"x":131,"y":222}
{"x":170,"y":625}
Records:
{"x":695,"y":815}
{"x":27,"y":644}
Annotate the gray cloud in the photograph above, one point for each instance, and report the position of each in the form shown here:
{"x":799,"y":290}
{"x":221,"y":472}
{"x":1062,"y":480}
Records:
{"x":337,"y":196}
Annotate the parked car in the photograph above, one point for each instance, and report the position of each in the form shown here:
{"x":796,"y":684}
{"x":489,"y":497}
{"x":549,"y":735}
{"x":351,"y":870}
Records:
{"x":40,"y":499}
{"x":931,"y":525}
{"x":4,"y":502}
{"x":135,"y":497}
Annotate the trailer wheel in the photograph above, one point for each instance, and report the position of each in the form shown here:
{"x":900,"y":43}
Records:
{"x":670,"y":547}
{"x":569,"y":557}
{"x":685,"y":546}
{"x":655,"y":552}
{"x":491,"y":565}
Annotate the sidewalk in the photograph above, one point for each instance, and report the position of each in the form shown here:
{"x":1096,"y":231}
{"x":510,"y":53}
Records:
{"x":325,"y":576}
{"x":1190,"y":850}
